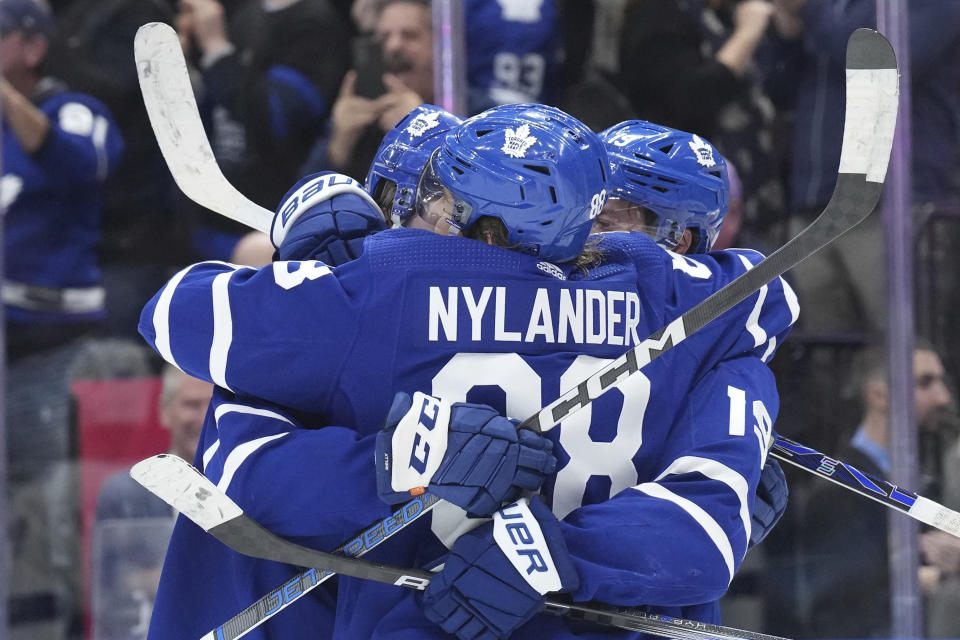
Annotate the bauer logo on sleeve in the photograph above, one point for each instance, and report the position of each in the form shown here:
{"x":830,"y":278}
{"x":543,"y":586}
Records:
{"x":517,"y":533}
{"x":419,"y":442}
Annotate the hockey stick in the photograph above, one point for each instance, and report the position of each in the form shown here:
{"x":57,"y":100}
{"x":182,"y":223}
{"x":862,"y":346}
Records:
{"x":291,"y":590}
{"x":917,"y":507}
{"x":195,"y":496}
{"x":172,"y":108}
{"x":872,"y":100}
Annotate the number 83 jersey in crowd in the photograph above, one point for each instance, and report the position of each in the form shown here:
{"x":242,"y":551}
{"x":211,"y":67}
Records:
{"x":655,"y":479}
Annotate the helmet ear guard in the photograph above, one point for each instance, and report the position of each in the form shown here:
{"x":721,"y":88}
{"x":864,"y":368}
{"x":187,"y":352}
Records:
{"x":540,"y":171}
{"x":679,"y":176}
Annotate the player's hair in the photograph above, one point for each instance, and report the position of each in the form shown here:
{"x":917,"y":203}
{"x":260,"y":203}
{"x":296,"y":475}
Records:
{"x":384,"y":194}
{"x":492,"y":231}
{"x":675,"y":174}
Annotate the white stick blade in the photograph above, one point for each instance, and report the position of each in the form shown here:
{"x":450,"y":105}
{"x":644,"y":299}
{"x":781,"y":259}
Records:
{"x":179,"y":484}
{"x":172,"y":108}
{"x":873,"y":94}
{"x":936,"y":515}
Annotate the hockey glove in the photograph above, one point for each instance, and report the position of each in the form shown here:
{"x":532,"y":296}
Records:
{"x":325,"y":216}
{"x":770,"y":502}
{"x":495,"y":576}
{"x":464,"y":453}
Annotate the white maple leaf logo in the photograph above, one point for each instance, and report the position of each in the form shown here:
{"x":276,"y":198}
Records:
{"x":517,"y":141}
{"x":423,"y":123}
{"x":703,"y":151}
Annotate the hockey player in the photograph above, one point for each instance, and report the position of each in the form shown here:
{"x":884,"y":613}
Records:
{"x":563,"y":328}
{"x":403,"y":152}
{"x":340,"y":214}
{"x":236,"y":422}
{"x":663,"y":182}
{"x":692,"y":208}
{"x":673,"y":186}
{"x":687,"y":186}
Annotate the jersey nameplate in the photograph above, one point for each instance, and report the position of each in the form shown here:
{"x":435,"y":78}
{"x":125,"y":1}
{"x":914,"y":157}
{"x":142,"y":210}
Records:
{"x":549,"y":316}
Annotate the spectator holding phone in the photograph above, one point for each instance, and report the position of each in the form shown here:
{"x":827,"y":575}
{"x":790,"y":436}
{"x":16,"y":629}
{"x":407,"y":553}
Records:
{"x":269,"y":70}
{"x":404,"y":31}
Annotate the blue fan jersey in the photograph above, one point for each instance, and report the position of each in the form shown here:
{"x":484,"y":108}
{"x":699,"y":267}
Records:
{"x":52,"y":201}
{"x":512,"y":51}
{"x":655,"y":504}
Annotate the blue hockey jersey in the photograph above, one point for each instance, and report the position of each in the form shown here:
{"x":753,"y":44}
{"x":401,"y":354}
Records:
{"x":667,"y":498}
{"x":512,"y":51}
{"x":635,"y":544}
{"x":313,"y":486}
{"x":52,"y":200}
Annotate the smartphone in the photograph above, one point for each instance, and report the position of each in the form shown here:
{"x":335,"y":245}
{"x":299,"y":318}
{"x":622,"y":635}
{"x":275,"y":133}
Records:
{"x":368,"y":63}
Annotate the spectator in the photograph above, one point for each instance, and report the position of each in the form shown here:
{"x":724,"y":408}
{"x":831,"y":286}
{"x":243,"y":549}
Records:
{"x":133,"y":526}
{"x":842,"y":288}
{"x":691,"y":65}
{"x":513,"y":52}
{"x":846,"y":536}
{"x":58,"y":149}
{"x":358,"y":123}
{"x":183,"y":405}
{"x":142,"y":243}
{"x":269,"y":72}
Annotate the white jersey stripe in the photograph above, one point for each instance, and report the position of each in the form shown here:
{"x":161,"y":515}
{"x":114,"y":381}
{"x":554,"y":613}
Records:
{"x":210,"y":452}
{"x":771,"y":346}
{"x":161,"y":318}
{"x":239,"y":455}
{"x":791,"y":297}
{"x":710,"y":526}
{"x":224,"y":409}
{"x":753,"y":322}
{"x":222,"y":330}
{"x":221,"y":411}
{"x":719,"y":472}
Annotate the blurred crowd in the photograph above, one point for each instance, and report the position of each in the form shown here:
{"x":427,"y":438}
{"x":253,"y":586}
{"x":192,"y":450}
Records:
{"x":95,"y":226}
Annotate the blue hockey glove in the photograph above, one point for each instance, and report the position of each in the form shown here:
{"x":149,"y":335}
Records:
{"x":770,"y":503}
{"x":464,"y":453}
{"x":495,"y":576}
{"x":325,"y":216}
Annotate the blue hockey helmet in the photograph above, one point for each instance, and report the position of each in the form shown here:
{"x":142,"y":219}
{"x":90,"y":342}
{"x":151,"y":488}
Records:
{"x":537,"y":169}
{"x":678,"y":176}
{"x":404,"y":151}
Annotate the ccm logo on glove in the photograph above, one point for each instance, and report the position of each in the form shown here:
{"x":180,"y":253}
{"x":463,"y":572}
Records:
{"x":518,"y":534}
{"x":418,"y":434}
